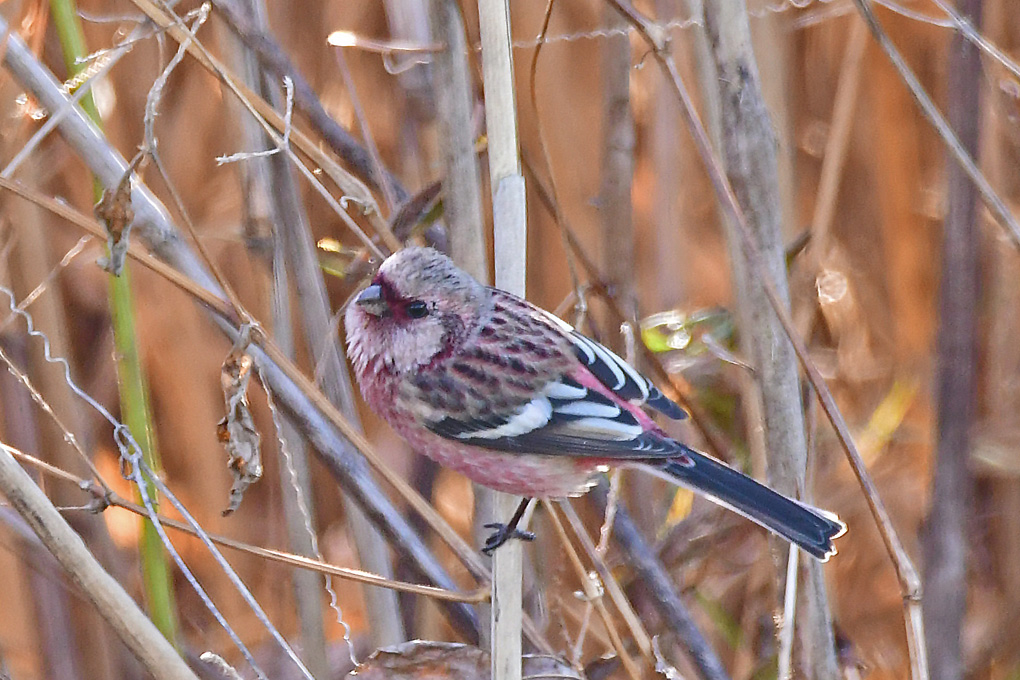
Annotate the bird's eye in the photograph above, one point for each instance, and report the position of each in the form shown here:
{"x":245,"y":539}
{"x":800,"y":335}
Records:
{"x":416,"y":309}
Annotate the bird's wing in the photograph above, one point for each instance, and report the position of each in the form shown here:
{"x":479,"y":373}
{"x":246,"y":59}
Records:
{"x":528,"y":383}
{"x":564,"y":419}
{"x":616,"y":374}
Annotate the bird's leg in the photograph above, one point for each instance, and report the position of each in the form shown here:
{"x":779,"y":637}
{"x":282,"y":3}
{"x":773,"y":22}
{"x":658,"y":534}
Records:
{"x":504,"y":532}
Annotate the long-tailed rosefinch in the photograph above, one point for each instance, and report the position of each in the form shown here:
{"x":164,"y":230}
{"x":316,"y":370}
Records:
{"x":491,"y":386}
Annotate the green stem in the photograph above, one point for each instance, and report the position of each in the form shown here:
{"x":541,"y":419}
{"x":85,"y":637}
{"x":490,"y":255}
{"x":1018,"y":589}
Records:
{"x":134,"y":397}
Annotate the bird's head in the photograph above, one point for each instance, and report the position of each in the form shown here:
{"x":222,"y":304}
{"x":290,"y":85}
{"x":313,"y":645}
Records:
{"x":419,"y":306}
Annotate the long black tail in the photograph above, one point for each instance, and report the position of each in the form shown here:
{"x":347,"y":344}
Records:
{"x":810,"y":528}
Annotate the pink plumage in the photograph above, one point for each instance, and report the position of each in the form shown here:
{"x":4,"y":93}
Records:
{"x":493,"y":387}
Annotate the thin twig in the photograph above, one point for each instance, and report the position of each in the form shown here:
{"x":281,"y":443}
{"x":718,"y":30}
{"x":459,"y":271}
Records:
{"x":118,"y":608}
{"x":276,"y":61}
{"x":838,"y":140}
{"x":274,"y":124}
{"x":113,"y":499}
{"x":637,"y":628}
{"x":151,"y":148}
{"x":653,"y":575}
{"x":593,"y":593}
{"x":50,"y":278}
{"x":965,"y":26}
{"x":380,"y":174}
{"x":558,"y":216}
{"x":786,"y":629}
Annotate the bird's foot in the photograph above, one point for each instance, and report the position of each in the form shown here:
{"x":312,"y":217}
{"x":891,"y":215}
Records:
{"x":503,"y":533}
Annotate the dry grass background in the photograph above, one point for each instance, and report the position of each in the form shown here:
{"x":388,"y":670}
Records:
{"x":875,"y":343}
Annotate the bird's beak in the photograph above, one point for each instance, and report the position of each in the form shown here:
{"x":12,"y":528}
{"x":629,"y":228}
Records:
{"x":373,"y":301}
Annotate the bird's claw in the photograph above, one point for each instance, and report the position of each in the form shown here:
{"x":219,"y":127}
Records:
{"x":502,"y":534}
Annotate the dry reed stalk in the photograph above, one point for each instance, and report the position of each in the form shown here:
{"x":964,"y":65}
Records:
{"x":945,"y":537}
{"x":749,"y":156}
{"x":509,"y":218}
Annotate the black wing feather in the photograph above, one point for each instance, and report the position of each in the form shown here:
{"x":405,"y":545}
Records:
{"x":566,"y":420}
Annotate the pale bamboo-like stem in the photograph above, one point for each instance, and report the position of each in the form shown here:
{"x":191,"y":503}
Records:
{"x":509,"y":218}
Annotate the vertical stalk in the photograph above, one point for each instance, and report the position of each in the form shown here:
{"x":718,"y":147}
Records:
{"x":134,"y":397}
{"x":749,"y":155}
{"x":156,"y":577}
{"x":462,"y":199}
{"x":615,"y":209}
{"x":509,"y":218}
{"x":945,"y":537}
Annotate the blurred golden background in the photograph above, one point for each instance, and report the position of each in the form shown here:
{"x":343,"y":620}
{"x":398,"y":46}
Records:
{"x":864,"y":264}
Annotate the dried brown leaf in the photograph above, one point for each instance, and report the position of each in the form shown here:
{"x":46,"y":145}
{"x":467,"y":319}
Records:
{"x":419,"y":210}
{"x":237,"y":429}
{"x":115,"y":212}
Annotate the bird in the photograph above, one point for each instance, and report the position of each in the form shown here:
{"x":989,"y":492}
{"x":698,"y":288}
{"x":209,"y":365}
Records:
{"x":489,"y":385}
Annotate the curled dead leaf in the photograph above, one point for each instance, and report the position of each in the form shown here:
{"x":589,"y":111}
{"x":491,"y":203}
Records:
{"x":237,"y":430}
{"x":115,"y":212}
